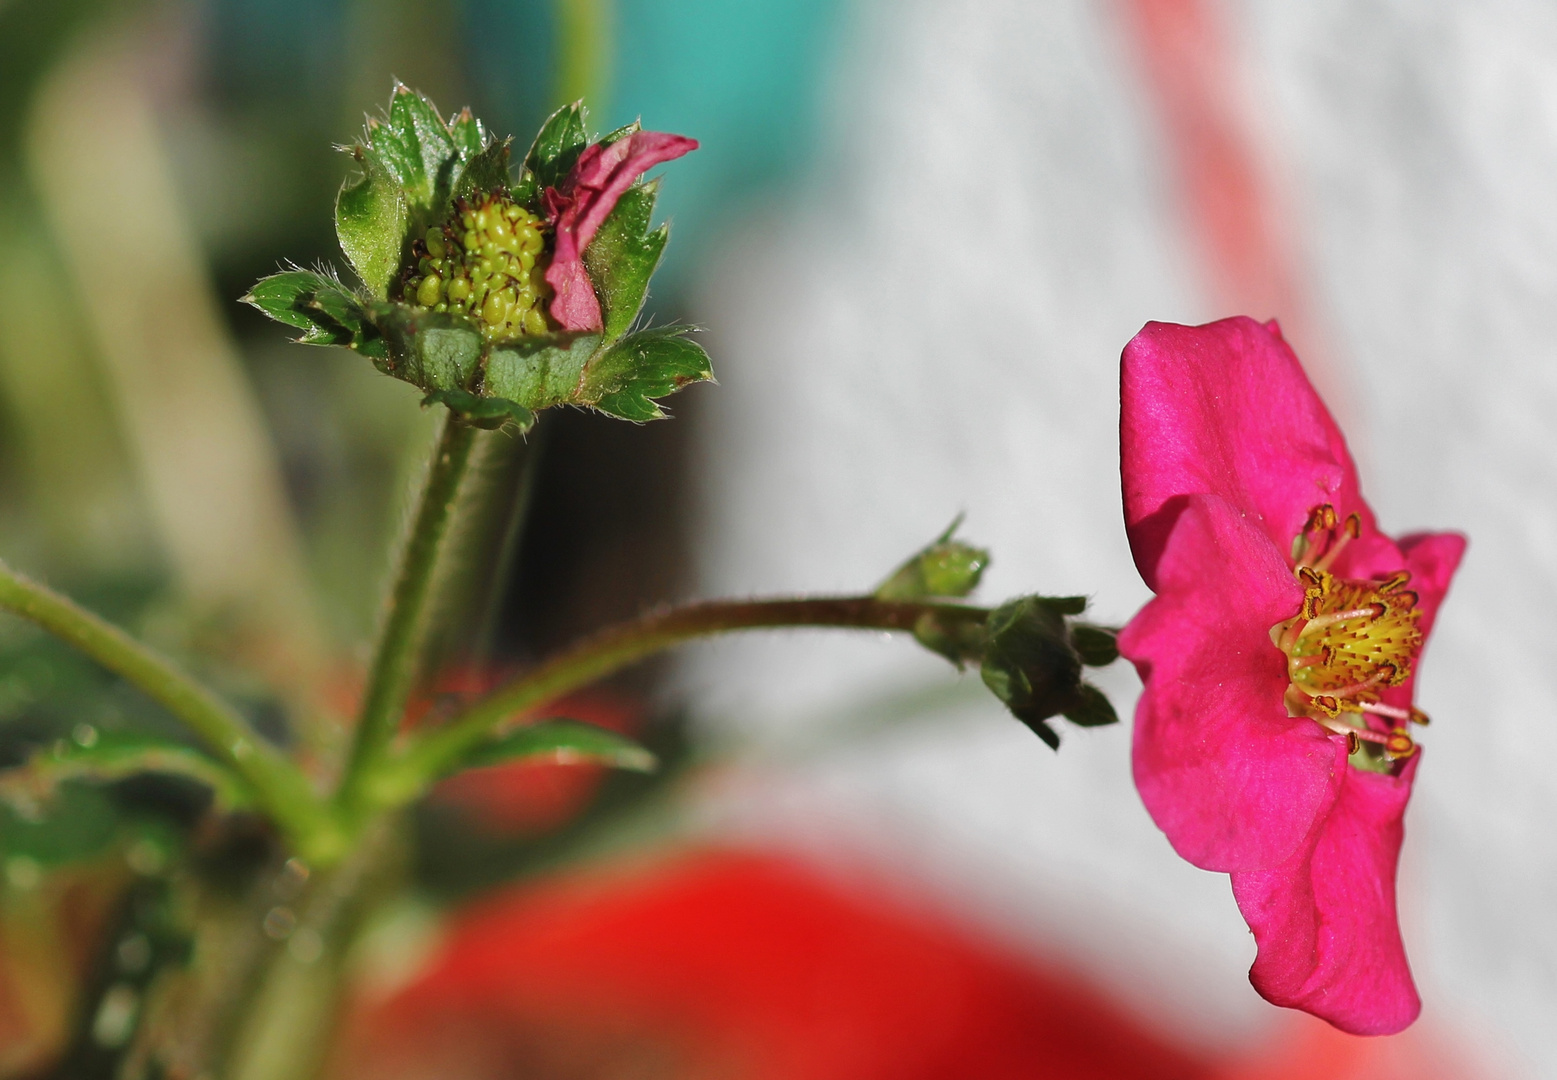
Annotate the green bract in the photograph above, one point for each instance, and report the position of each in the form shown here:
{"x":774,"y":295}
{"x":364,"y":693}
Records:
{"x":475,"y":337}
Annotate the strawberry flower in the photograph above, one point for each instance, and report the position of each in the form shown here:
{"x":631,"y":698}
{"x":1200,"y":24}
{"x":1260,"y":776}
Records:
{"x":580,"y":206}
{"x":1273,"y":737}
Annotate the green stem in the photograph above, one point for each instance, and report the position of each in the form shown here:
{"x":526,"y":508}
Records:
{"x":583,"y":51}
{"x":396,"y":657}
{"x":277,"y":785}
{"x":621,"y":645}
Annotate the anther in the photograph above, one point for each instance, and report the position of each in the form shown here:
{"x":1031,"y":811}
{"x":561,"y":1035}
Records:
{"x":1399,"y":744}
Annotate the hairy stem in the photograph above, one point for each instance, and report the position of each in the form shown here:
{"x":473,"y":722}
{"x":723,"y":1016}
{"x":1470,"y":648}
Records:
{"x":396,"y":657}
{"x":618,"y":646}
{"x":276,"y":784}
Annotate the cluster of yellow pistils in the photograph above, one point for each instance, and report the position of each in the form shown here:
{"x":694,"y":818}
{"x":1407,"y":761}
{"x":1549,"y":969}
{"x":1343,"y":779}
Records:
{"x":1351,"y":640}
{"x":487,"y":261}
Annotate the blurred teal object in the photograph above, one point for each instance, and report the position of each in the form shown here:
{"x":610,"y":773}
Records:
{"x":744,"y":79}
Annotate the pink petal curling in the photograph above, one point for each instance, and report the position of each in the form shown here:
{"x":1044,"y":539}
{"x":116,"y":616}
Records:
{"x":1234,"y":782}
{"x":1226,"y":410}
{"x":1329,"y":942}
{"x":586,"y":198}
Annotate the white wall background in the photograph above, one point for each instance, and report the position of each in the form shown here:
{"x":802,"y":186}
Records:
{"x":934,"y":327}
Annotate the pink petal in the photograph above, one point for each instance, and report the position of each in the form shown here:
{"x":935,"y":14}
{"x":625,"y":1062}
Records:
{"x":587,"y":197}
{"x":1234,"y":782}
{"x":1432,"y":559}
{"x":1225,"y":409}
{"x":1329,"y":942}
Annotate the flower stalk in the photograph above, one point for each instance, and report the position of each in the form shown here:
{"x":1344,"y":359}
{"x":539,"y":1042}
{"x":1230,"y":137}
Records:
{"x":397,"y":654}
{"x":619,"y":646}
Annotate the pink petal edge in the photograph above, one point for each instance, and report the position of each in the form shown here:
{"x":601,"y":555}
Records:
{"x":1225,"y":409}
{"x":1325,"y":923}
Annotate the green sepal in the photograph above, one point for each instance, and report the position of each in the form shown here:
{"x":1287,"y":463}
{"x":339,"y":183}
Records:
{"x":556,"y":149}
{"x":1029,"y":663}
{"x":960,"y":638}
{"x":371,"y":216}
{"x":627,"y":377}
{"x":486,"y":171}
{"x":623,"y":256}
{"x":431,"y":350}
{"x":944,"y":567}
{"x":1096,"y":645}
{"x":415,"y":144}
{"x":542,"y":370}
{"x":488,"y":413}
{"x":326,"y":311}
{"x":1091,"y":708}
{"x":468,"y":134}
{"x":563,"y":742}
{"x":115,"y":755}
{"x":621,"y":133}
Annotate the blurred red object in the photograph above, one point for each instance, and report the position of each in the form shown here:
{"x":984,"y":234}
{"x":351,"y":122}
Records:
{"x":738,"y":966}
{"x":744,"y":966}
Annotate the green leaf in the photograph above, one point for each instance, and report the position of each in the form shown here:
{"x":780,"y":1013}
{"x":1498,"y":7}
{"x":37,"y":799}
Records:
{"x":1091,"y":709}
{"x":468,"y":134}
{"x":488,"y":413}
{"x":625,"y":379}
{"x":540,"y":371}
{"x":371,"y":215}
{"x":415,"y":145}
{"x":557,"y":147}
{"x":115,"y":755}
{"x":1096,"y":645}
{"x":327,"y":312}
{"x":563,"y":742}
{"x":945,"y":567}
{"x":431,"y":350}
{"x":623,"y":257}
{"x":76,"y":823}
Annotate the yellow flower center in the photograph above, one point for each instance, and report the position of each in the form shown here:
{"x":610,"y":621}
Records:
{"x":1350,"y":640}
{"x":488,"y":261}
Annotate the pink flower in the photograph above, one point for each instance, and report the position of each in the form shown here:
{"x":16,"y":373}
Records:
{"x":581,"y":205}
{"x":1271,"y":740}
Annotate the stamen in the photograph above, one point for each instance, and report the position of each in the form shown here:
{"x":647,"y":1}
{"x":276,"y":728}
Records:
{"x":1380,"y":709}
{"x":1350,"y":639}
{"x":1319,"y":622}
{"x":1352,"y":530}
